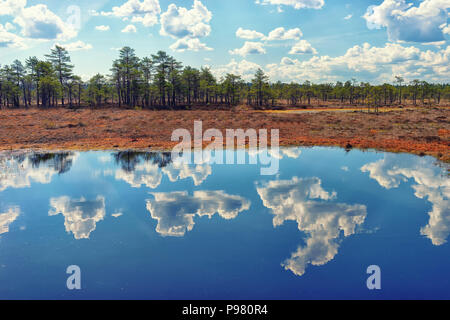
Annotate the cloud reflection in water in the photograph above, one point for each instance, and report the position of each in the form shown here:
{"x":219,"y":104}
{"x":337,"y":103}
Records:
{"x":19,"y":170}
{"x":431,"y":182}
{"x":7,"y":218}
{"x":80,"y":216}
{"x":175,"y":211}
{"x":307,"y":203}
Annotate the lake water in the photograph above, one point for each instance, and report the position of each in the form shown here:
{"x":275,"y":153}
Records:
{"x":142,"y":226}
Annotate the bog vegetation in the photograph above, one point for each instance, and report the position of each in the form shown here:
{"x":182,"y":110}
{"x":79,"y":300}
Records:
{"x":160,"y":81}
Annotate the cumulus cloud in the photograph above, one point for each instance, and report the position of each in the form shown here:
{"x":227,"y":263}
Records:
{"x":145,"y":12}
{"x":407,"y":22}
{"x":36,"y":22}
{"x":7,"y":218}
{"x":188,"y":44}
{"x":248,"y":34}
{"x":445,"y":29}
{"x":11,"y":7}
{"x":277,"y":34}
{"x":175,"y":212}
{"x":297,"y":4}
{"x":102,"y":28}
{"x":76,"y":46}
{"x":9,"y":26}
{"x":283,"y":34}
{"x":367,"y":63}
{"x":431,"y":182}
{"x":303,"y":47}
{"x":249,"y":48}
{"x":129,"y":29}
{"x":179,"y":22}
{"x":10,"y":40}
{"x":244,"y":68}
{"x":80,"y":216}
{"x":305,"y":202}
{"x":187,"y":25}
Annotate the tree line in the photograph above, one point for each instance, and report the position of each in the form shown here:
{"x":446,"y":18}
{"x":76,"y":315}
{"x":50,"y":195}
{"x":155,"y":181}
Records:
{"x":160,"y":81}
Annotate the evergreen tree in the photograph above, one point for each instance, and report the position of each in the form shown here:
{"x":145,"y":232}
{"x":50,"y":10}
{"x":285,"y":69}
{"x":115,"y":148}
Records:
{"x":60,"y":59}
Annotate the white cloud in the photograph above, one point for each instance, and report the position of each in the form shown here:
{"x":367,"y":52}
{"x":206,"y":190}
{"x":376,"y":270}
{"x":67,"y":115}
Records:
{"x":249,"y":48}
{"x":431,"y":182}
{"x":309,"y":205}
{"x":9,"y":26}
{"x":188,"y":44}
{"x":285,"y":61}
{"x":80,"y":216}
{"x":438,"y":44}
{"x":145,"y":12}
{"x":76,"y":46}
{"x":348,"y":17}
{"x":248,"y":34}
{"x":175,"y":211}
{"x":187,"y":25}
{"x":283,"y":34}
{"x":129,"y":29}
{"x":367,"y":63}
{"x":297,"y":4}
{"x":36,"y":22}
{"x":102,"y":28}
{"x":277,"y":34}
{"x":406,"y":22}
{"x":244,"y":68}
{"x":11,"y":40}
{"x":179,"y":22}
{"x":445,"y":29}
{"x":136,"y":7}
{"x":94,"y":13}
{"x":11,"y":7}
{"x":7,"y":218}
{"x":147,"y":20}
{"x":303,"y":47}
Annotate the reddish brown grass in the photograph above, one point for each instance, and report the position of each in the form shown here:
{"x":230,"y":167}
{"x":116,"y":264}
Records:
{"x":422,"y":131}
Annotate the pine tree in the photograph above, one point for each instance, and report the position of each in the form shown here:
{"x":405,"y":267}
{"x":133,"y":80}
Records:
{"x":60,"y":59}
{"x":161,"y":60}
{"x":259,"y":82}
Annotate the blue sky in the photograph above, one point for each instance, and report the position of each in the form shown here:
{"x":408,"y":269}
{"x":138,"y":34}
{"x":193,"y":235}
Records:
{"x":321,"y":40}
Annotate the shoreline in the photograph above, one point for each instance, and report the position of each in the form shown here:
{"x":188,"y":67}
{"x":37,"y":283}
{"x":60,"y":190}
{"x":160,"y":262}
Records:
{"x":55,"y":149}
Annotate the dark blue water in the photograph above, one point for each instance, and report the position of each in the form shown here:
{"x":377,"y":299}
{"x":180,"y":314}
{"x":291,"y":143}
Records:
{"x":141,"y":226}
